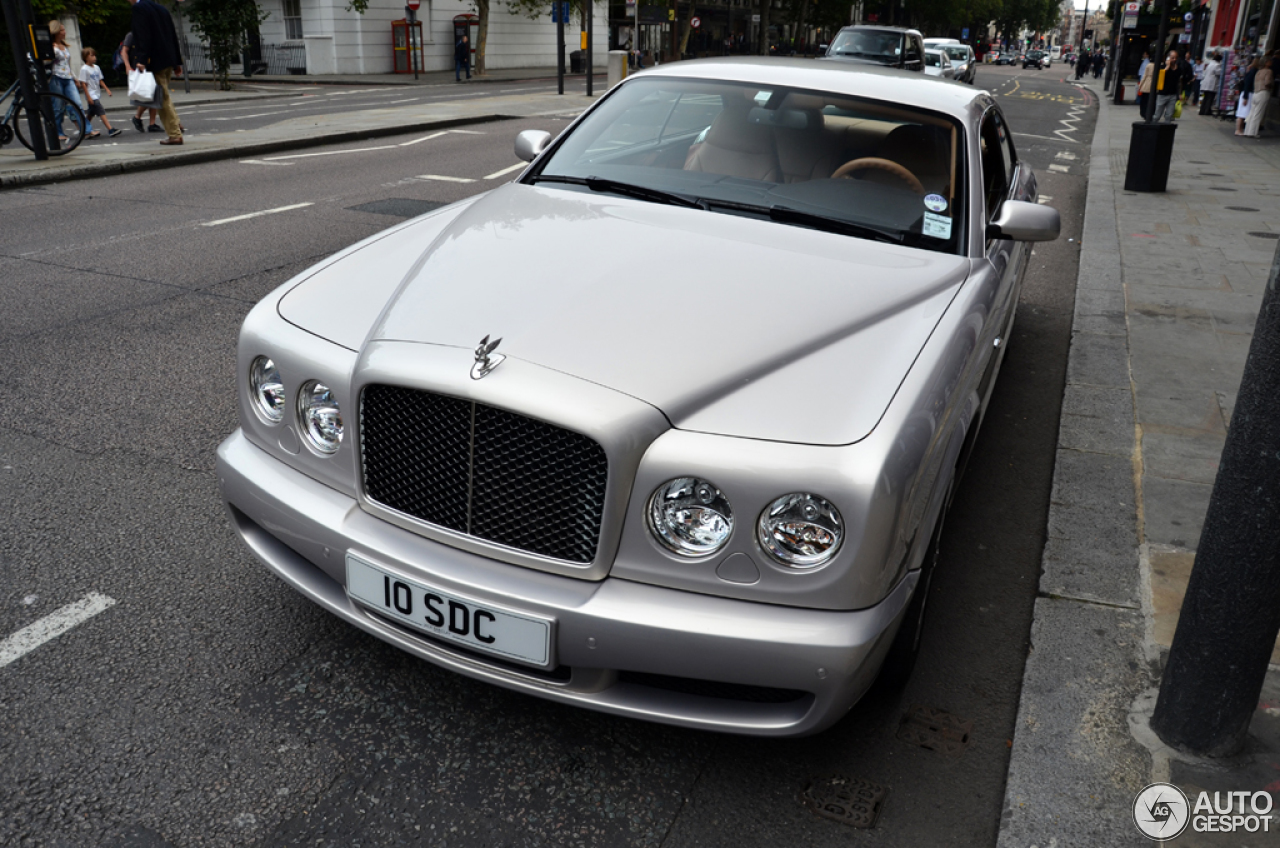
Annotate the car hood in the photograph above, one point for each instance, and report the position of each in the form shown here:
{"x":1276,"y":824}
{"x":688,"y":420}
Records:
{"x":726,"y":324}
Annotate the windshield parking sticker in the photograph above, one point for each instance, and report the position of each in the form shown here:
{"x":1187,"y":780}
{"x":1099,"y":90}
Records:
{"x":935,"y":203}
{"x":938,"y":226}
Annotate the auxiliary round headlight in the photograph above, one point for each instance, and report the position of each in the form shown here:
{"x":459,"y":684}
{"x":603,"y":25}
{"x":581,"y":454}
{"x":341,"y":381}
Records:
{"x":690,"y":516}
{"x":319,"y":417}
{"x":266,"y":390}
{"x":801,"y":530}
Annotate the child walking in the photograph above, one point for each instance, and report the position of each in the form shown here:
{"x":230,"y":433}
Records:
{"x":91,"y":81}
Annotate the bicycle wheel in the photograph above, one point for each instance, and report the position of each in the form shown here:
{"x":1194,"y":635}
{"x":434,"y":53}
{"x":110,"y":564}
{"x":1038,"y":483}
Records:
{"x":52,"y":104}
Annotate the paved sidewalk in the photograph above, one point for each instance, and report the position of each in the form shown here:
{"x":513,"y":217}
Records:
{"x":1168,"y":291}
{"x":18,"y":167}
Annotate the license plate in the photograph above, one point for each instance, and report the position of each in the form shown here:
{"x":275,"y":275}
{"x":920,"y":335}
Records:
{"x":480,"y":627}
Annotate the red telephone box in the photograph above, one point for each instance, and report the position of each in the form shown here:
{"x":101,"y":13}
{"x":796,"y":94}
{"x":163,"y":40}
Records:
{"x":402,"y":61}
{"x":468,"y":25}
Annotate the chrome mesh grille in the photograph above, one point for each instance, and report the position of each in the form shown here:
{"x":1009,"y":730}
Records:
{"x":483,"y":471}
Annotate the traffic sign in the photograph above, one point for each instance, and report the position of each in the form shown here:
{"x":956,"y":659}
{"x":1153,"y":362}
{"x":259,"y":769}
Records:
{"x":413,"y":4}
{"x":695,"y":22}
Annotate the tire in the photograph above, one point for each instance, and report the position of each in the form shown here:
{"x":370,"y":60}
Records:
{"x":49,"y":104}
{"x":900,"y":660}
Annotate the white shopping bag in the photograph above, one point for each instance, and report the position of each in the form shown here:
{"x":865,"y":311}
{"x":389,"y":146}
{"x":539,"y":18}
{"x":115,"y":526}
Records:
{"x":142,"y":85}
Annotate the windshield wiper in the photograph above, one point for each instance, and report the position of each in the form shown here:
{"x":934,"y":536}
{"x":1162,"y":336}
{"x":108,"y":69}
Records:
{"x":627,"y":189}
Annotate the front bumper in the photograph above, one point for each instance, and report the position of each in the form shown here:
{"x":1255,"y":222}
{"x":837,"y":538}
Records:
{"x":623,"y":647}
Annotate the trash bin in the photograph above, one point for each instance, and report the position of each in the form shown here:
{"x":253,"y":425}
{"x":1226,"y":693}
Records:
{"x":575,"y":62}
{"x":1150,"y":149}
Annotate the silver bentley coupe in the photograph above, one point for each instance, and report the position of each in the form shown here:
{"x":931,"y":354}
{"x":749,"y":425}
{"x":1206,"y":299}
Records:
{"x":666,"y":427}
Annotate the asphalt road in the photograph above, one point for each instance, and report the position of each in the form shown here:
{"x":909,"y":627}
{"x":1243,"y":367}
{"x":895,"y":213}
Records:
{"x":211,"y":705}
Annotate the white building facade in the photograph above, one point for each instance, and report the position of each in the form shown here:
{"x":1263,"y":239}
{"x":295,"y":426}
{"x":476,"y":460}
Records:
{"x":341,"y":42}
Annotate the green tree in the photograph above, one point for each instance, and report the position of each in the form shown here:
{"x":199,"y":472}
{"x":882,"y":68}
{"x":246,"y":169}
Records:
{"x":86,"y":11}
{"x":224,"y":25}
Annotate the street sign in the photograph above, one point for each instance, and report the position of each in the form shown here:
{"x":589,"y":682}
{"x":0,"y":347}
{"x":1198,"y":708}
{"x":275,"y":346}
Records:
{"x":413,"y":4}
{"x":964,"y":33}
{"x":695,"y":22}
{"x":1131,"y":11}
{"x":560,"y":13}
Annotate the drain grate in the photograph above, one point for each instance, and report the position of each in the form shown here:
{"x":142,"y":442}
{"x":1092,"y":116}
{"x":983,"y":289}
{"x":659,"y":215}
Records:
{"x":847,"y":800}
{"x":400,"y":207}
{"x":935,"y":730}
{"x":1242,"y":209}
{"x":1266,"y":235}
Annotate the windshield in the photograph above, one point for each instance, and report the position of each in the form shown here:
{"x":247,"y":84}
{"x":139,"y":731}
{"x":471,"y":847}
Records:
{"x":957,"y":54}
{"x":847,"y":165}
{"x":867,"y":43}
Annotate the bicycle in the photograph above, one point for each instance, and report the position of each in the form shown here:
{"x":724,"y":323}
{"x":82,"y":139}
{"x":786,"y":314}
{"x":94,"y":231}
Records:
{"x":48,"y":104}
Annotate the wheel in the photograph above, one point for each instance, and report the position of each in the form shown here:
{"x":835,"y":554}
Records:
{"x":6,"y":134}
{"x":868,"y":163}
{"x":905,"y":648}
{"x":50,"y":104}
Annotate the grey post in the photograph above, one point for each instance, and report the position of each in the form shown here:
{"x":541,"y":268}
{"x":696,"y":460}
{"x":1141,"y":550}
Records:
{"x":1231,"y":614}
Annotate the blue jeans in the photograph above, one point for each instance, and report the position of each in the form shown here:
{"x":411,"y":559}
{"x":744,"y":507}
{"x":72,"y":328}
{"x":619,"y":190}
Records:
{"x":68,"y":89}
{"x":459,"y":66}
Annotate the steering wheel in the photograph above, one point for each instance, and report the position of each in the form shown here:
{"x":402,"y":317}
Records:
{"x":873,"y":163}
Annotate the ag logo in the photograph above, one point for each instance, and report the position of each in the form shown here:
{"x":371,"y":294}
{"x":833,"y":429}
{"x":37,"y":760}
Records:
{"x":1161,"y":811}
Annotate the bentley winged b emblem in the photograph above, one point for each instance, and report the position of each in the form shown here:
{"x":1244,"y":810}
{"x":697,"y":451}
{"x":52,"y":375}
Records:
{"x":486,"y":359}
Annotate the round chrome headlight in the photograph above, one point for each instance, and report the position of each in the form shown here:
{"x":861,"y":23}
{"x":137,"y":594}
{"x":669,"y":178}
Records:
{"x":690,"y":516}
{"x":801,"y":530}
{"x":319,"y":417}
{"x":266,"y":390}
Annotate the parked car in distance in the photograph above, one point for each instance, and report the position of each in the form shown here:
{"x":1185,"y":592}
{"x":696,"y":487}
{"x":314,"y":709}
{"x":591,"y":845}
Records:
{"x":892,"y":47}
{"x":1034,"y":58}
{"x":1004,"y":58}
{"x":937,"y":64}
{"x":717,"y":507}
{"x":963,"y":61}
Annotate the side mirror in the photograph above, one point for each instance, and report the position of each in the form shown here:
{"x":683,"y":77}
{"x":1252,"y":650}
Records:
{"x":1023,"y":221}
{"x":530,"y":143}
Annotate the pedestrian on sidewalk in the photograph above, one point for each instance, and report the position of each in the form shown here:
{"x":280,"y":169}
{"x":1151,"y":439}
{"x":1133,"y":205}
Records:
{"x":461,"y":59}
{"x":1262,"y":82}
{"x":1172,"y":81}
{"x":1245,"y":88}
{"x":1144,"y":84}
{"x":61,"y":82}
{"x":127,"y":60}
{"x":156,"y":47}
{"x":92,"y":84}
{"x":1210,"y":81}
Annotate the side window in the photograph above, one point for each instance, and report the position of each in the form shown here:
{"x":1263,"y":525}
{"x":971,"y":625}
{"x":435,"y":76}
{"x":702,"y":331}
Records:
{"x":1006,"y":146}
{"x":915,"y":51}
{"x":995,"y":171}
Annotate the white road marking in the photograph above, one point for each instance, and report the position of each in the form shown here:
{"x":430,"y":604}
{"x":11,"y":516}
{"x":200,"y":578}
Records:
{"x":1063,"y":154}
{"x":445,"y":179}
{"x":1061,"y":169}
{"x":255,"y":214}
{"x":424,"y":138}
{"x":1044,"y":198}
{"x":245,"y":117}
{"x":263,"y":162}
{"x":327,"y":153}
{"x":1044,"y":137}
{"x":406,"y":100}
{"x":468,"y":132}
{"x":52,"y":626}
{"x":506,"y":171}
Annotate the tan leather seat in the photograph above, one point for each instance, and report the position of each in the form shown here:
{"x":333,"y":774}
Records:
{"x":735,"y":147}
{"x":922,"y":150}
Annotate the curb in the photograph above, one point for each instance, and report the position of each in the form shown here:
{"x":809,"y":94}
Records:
{"x":173,"y":160}
{"x":1075,"y":767}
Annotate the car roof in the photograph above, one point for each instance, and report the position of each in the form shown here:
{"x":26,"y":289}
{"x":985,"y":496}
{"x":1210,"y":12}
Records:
{"x":875,"y":82}
{"x":881,"y":28}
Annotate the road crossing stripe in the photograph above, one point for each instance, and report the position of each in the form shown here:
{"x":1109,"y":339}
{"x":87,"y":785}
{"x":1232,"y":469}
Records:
{"x":255,"y":214}
{"x":52,"y":626}
{"x":424,"y":138}
{"x":444,"y":178}
{"x":327,"y":153}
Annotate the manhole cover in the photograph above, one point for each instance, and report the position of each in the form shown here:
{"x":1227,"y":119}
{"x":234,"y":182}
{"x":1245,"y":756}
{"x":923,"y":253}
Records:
{"x":1242,"y":209}
{"x":1220,"y":188}
{"x":936,"y":730}
{"x":401,"y":207}
{"x":846,"y":800}
{"x":1266,"y":235}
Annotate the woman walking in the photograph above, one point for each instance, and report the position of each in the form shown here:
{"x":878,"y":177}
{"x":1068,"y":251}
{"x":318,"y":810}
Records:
{"x":1262,"y":82}
{"x":1209,"y":83}
{"x":1245,"y":87}
{"x":62,"y":82}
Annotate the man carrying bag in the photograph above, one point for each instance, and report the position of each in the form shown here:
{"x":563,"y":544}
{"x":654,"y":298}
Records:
{"x":156,"y":50}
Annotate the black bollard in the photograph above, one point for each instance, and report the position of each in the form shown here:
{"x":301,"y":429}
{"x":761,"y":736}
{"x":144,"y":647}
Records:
{"x":1231,"y":613}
